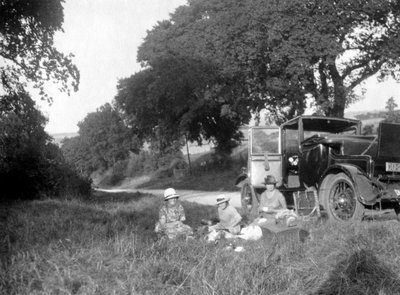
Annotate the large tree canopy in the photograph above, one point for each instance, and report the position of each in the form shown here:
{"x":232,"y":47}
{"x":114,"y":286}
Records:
{"x":27,"y":52}
{"x":179,"y":97}
{"x":281,"y":52}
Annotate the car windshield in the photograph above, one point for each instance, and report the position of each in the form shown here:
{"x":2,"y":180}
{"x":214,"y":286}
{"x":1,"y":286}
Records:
{"x":265,"y":140}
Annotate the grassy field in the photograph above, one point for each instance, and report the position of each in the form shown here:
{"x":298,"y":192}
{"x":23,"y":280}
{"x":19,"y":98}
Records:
{"x":213,"y":176}
{"x":223,"y":180}
{"x":106,"y":245}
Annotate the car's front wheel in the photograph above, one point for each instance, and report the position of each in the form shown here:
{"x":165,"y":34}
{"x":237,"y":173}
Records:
{"x":339,"y":199}
{"x":249,"y":201}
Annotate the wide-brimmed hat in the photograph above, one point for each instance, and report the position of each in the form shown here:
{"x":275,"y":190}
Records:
{"x":222,"y":199}
{"x":170,"y":193}
{"x":270,"y":179}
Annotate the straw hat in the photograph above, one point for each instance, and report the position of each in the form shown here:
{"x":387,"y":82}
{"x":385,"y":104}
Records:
{"x":170,"y":193}
{"x":222,"y":199}
{"x":270,"y":179}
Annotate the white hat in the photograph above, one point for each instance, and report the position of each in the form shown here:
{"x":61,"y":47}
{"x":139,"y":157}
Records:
{"x":170,"y":193}
{"x":222,"y":199}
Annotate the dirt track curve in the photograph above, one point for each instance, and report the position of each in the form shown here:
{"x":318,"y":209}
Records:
{"x":200,"y":197}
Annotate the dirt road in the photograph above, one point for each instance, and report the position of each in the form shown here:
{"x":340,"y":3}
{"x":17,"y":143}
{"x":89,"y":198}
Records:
{"x":200,"y":197}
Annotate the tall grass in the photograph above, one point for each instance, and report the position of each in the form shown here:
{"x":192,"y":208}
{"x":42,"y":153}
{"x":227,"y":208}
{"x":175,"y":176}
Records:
{"x":216,"y":174}
{"x":107,"y":246}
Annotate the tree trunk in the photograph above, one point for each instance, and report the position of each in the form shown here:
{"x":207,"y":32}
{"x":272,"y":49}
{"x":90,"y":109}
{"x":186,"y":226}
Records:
{"x":339,"y":93}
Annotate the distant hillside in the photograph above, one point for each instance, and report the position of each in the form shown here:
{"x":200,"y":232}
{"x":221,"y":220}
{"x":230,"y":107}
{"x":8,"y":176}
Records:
{"x":372,"y":121}
{"x":369,"y":118}
{"x":58,"y":137}
{"x":362,"y":115}
{"x":368,"y":115}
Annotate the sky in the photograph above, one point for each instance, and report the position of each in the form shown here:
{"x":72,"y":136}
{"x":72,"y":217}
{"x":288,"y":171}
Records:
{"x":104,"y":36}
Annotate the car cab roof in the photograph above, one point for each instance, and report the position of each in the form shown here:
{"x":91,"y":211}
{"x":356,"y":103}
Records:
{"x":317,"y":123}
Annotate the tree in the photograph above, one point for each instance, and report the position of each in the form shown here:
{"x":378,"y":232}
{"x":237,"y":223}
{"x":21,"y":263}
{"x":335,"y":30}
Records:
{"x":103,"y":140}
{"x":77,"y":154}
{"x":27,"y":52}
{"x":180,"y":97}
{"x":368,"y":129}
{"x":30,"y":165}
{"x":22,"y":134}
{"x":281,"y":52}
{"x":392,"y":116}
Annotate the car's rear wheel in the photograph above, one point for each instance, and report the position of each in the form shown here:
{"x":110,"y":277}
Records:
{"x":339,"y":198}
{"x":249,"y":201}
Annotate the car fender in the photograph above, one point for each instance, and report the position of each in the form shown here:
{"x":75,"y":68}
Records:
{"x":366,"y":190}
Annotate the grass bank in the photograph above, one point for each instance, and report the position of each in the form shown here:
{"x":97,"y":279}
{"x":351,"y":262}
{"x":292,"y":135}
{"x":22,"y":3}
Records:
{"x":205,"y":174}
{"x":106,"y":245}
{"x":213,"y":180}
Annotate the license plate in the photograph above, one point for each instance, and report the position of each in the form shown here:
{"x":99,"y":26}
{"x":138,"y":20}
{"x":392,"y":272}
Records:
{"x":392,"y":167}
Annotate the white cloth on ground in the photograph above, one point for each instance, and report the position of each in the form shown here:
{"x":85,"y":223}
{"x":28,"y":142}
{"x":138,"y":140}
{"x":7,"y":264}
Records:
{"x":251,"y":232}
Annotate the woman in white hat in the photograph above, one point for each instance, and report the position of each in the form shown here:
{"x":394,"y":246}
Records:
{"x":171,"y":217}
{"x":229,"y":218}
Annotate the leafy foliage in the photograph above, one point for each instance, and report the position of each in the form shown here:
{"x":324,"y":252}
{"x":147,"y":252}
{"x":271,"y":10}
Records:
{"x":213,"y":63}
{"x":392,"y":116}
{"x":180,"y":98}
{"x":30,"y":165}
{"x":27,"y":52}
{"x":76,"y":152}
{"x":103,"y":140}
{"x":281,"y":52}
{"x":368,"y":129}
{"x":172,"y":100}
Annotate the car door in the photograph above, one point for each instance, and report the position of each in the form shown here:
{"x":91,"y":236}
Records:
{"x":265,"y":154}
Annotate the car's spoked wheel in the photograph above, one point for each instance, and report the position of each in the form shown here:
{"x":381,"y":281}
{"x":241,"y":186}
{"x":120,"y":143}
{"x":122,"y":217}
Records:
{"x":249,"y":201}
{"x":340,"y":199}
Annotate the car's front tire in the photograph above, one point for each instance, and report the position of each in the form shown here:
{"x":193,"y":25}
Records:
{"x":338,"y":196}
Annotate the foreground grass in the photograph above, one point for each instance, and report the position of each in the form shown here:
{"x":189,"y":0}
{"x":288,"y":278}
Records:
{"x":107,"y":246}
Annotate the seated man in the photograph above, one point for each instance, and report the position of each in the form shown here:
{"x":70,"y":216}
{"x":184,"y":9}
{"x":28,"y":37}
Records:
{"x":229,"y":218}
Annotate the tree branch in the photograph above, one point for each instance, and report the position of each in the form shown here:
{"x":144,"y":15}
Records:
{"x":365,"y":75}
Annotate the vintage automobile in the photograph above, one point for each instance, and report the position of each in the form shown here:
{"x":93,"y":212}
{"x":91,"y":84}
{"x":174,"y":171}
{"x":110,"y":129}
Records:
{"x":349,"y":172}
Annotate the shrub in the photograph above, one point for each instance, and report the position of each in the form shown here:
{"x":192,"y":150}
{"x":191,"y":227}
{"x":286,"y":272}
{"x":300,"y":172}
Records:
{"x":75,"y":184}
{"x":31,"y":166}
{"x":139,"y":164}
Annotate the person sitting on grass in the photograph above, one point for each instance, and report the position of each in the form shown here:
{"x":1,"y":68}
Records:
{"x":229,"y":218}
{"x":271,"y":201}
{"x":171,"y":217}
